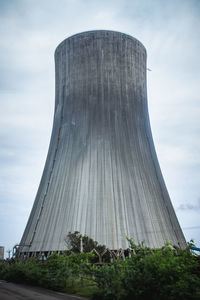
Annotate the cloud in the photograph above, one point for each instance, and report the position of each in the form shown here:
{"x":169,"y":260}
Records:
{"x":190,"y":206}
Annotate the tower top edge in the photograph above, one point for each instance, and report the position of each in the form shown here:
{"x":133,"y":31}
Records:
{"x":99,"y":32}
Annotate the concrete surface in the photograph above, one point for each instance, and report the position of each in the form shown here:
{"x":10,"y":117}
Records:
{"x":102,"y":176}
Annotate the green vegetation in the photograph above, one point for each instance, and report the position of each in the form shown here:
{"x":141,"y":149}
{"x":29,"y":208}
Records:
{"x":75,"y":239}
{"x":167,"y":273}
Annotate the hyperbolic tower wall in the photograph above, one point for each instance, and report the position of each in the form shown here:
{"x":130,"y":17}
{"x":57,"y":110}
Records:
{"x":101,"y":176}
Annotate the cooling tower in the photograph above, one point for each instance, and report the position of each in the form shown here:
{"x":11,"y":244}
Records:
{"x":101,"y":176}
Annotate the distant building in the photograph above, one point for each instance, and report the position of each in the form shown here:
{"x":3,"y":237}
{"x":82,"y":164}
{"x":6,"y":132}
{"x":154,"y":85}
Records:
{"x":1,"y":252}
{"x":102,"y":176}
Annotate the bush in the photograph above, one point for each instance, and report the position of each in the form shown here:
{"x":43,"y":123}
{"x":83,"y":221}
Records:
{"x":154,"y":274}
{"x":20,"y":271}
{"x":161,"y":274}
{"x":57,"y":272}
{"x":167,"y":273}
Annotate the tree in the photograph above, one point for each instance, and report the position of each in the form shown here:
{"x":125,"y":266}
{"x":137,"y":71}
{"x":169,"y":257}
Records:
{"x":76,"y":240}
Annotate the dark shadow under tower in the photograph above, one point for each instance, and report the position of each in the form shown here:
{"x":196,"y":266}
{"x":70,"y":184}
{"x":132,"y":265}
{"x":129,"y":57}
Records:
{"x":102,"y":176}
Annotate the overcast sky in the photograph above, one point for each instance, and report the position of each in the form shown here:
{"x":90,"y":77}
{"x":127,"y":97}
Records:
{"x":30,"y":30}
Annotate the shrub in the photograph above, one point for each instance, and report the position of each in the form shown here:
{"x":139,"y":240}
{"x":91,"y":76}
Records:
{"x":154,"y":274}
{"x":168,"y":273}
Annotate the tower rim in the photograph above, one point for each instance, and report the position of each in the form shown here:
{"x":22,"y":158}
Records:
{"x":99,"y":30}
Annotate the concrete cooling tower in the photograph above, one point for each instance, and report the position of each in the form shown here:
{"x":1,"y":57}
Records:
{"x":101,"y":176}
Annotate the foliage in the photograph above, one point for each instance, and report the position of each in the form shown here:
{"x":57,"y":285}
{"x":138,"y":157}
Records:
{"x":109,"y":280}
{"x":168,"y":273}
{"x":74,"y":240}
{"x":57,"y":272}
{"x":165,"y":273}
